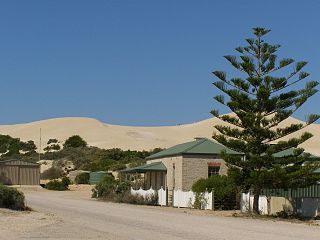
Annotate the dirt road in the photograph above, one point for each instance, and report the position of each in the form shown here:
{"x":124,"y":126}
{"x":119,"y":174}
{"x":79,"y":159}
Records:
{"x":78,"y":217}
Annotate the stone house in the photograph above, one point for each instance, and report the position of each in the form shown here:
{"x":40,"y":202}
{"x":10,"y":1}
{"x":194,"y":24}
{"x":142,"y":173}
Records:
{"x":180,"y":166}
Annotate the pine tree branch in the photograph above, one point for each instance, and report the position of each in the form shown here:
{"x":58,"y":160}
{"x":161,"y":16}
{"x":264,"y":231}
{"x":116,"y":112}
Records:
{"x":283,"y":132}
{"x":231,"y":120}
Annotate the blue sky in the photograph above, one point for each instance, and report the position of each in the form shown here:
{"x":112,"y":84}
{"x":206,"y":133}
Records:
{"x":137,"y":62}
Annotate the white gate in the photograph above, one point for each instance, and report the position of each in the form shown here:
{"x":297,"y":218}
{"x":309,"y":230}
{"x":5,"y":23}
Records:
{"x":246,"y":203}
{"x":187,"y":199}
{"x":162,"y":194}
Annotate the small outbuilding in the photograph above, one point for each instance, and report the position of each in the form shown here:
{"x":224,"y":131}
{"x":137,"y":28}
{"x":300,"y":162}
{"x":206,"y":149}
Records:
{"x":18,"y":172}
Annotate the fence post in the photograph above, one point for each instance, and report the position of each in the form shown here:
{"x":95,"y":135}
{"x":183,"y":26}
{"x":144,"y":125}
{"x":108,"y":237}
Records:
{"x":212,"y":199}
{"x":167,"y":196}
{"x":178,"y":198}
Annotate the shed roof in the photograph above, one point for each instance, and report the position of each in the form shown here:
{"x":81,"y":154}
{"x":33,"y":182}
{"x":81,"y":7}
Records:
{"x":18,"y":162}
{"x":151,"y":167}
{"x":201,"y":146}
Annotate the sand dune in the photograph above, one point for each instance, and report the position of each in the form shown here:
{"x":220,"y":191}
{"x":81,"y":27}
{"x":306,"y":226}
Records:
{"x":105,"y":135}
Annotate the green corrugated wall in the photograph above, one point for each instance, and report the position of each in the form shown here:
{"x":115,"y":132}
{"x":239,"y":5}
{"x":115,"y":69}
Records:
{"x":95,"y":177}
{"x":311,"y":192}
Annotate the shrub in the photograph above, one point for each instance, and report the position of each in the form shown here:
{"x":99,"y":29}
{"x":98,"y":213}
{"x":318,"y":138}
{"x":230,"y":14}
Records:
{"x":58,"y":185}
{"x":112,"y":190}
{"x":52,"y":173}
{"x":75,"y":141}
{"x":11,"y":198}
{"x":200,"y":201}
{"x":82,"y":178}
{"x":127,"y":197}
{"x":65,"y":181}
{"x":225,"y":190}
{"x":105,"y":187}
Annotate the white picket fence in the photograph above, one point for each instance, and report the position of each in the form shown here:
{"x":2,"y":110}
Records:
{"x":187,"y":199}
{"x":246,"y":203}
{"x":180,"y":198}
{"x":162,"y":197}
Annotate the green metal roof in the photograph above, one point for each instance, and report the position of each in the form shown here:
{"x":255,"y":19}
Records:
{"x":202,"y":146}
{"x":151,"y":167}
{"x":290,"y":152}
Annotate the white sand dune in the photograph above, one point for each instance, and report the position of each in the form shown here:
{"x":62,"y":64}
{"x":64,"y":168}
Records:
{"x":106,"y":136}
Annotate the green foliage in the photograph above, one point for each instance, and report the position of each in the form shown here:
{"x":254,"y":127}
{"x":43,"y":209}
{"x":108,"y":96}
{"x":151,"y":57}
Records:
{"x":113,"y":190}
{"x":11,"y":147}
{"x":76,"y":150}
{"x":82,"y":178}
{"x":225,"y":190}
{"x":75,"y":141}
{"x":200,"y":201}
{"x":127,"y":197}
{"x":65,"y":181}
{"x":58,"y":185}
{"x":11,"y":198}
{"x":52,"y":147}
{"x":96,"y":159}
{"x":260,"y":100}
{"x":105,"y":187}
{"x":52,"y":173}
{"x":52,"y":140}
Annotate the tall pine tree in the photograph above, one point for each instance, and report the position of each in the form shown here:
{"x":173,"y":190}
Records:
{"x":260,"y":100}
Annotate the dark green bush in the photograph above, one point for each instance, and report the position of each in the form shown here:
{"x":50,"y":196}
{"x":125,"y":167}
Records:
{"x":82,"y":178}
{"x":225,"y":190}
{"x":75,"y":141}
{"x":58,"y":185}
{"x":11,"y":198}
{"x":105,"y":187}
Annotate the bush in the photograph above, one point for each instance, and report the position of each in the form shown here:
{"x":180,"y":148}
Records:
{"x":52,"y":173}
{"x":112,"y":190}
{"x":200,"y":201}
{"x":105,"y":187}
{"x":127,"y":197}
{"x":11,"y":198}
{"x":82,"y":178}
{"x":58,"y":185}
{"x":75,"y":141}
{"x":225,"y":190}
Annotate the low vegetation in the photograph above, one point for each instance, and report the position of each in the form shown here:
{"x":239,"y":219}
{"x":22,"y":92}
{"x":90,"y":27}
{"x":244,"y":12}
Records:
{"x":11,"y":198}
{"x":82,"y":178}
{"x":109,"y":189}
{"x":76,"y":150}
{"x":224,"y":188}
{"x":58,"y":185}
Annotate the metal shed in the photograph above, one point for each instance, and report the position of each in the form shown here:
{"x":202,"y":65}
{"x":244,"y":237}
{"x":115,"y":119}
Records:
{"x":18,"y":172}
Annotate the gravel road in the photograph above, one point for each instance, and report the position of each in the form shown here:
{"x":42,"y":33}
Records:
{"x":78,"y":217}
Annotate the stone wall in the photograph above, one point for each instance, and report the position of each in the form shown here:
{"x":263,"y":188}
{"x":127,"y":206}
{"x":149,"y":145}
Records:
{"x":174,"y":171}
{"x":183,"y":171}
{"x":196,"y":167}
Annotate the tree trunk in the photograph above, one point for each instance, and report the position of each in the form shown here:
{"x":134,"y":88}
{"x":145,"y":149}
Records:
{"x":256,"y":200}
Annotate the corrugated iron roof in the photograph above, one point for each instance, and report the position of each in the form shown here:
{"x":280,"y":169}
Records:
{"x":151,"y":167}
{"x":202,"y":146}
{"x":19,"y":162}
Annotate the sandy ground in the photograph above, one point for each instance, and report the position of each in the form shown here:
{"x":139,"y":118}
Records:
{"x":73,"y":215}
{"x":105,"y":135}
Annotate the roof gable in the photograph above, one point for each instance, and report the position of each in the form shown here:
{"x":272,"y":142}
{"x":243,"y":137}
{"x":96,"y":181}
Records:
{"x":199,"y":146}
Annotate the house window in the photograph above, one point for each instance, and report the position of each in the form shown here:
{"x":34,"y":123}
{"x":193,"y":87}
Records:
{"x":213,"y":169}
